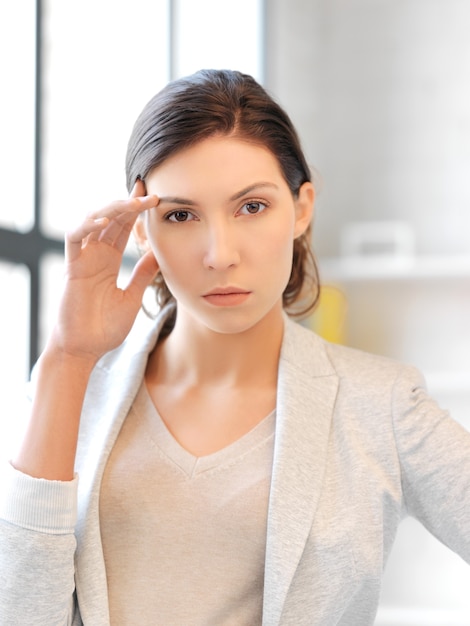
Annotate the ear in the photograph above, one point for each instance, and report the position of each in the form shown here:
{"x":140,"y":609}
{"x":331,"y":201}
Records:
{"x":140,"y":233}
{"x":139,"y":230}
{"x":303,"y":208}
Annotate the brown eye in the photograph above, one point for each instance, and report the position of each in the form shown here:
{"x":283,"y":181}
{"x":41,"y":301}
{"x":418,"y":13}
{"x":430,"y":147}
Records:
{"x":252,"y":208}
{"x":179,"y":216}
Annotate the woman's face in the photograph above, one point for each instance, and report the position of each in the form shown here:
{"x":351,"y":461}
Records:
{"x":223,"y":231}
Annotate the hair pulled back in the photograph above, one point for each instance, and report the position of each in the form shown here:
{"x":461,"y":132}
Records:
{"x":225,"y":102}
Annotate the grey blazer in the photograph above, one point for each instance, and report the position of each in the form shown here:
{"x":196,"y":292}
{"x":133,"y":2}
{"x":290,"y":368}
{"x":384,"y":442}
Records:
{"x":358,"y":445}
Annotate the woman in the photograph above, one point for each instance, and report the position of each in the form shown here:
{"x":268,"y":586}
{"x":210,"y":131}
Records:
{"x":230,"y":467}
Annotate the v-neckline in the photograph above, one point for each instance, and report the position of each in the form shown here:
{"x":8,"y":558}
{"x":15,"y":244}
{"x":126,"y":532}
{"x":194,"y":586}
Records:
{"x":189,"y":463}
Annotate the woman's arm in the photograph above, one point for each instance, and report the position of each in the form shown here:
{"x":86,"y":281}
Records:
{"x":37,"y":546}
{"x":434,"y":453}
{"x":49,"y":444}
{"x":38,"y":495}
{"x":94,"y":317}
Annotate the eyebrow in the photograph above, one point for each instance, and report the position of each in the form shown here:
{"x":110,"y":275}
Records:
{"x":236,"y":196}
{"x":251,"y":188}
{"x":176,"y":200}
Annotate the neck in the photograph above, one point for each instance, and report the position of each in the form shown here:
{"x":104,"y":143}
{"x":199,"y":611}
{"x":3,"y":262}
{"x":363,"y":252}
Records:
{"x":197,"y":356}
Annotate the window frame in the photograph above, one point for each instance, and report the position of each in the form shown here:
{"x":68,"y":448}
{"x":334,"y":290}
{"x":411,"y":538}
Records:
{"x":31,"y":247}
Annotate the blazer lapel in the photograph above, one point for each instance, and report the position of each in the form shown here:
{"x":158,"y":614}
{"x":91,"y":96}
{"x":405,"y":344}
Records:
{"x":307,"y":387}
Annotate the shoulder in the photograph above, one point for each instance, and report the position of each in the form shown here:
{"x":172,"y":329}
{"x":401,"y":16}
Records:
{"x":302,"y":344}
{"x":363,"y":377}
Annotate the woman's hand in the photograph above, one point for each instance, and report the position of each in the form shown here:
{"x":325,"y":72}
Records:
{"x":95,"y":315}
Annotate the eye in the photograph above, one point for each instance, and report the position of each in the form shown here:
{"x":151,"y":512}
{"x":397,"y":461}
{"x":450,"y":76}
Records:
{"x":253,"y":208}
{"x":179,"y":216}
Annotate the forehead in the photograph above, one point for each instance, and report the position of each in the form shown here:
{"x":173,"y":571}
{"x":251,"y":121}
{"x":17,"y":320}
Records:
{"x":219,"y":162}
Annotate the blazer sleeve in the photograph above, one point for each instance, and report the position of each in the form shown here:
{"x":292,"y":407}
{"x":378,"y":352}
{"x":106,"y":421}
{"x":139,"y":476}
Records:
{"x":37,"y":546}
{"x":434,"y":453}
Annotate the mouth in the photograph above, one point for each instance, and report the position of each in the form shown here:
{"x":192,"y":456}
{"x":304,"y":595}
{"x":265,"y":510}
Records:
{"x":227,"y":296}
{"x":225,"y":291}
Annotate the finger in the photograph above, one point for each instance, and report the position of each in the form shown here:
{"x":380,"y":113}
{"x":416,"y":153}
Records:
{"x":121,"y":207}
{"x":124,"y":212}
{"x":120,"y":227}
{"x":75,"y":238}
{"x":138,"y":189}
{"x":121,"y":216}
{"x":144,"y":272}
{"x":118,"y":231}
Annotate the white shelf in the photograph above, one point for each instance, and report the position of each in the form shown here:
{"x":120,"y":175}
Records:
{"x":380,"y":267}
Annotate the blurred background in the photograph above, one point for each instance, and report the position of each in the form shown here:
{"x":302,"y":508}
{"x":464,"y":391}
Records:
{"x":380,"y":93}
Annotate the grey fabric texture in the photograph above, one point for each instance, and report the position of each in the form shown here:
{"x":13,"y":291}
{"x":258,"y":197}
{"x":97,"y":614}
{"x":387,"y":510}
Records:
{"x":184,"y":537}
{"x":358,"y":445}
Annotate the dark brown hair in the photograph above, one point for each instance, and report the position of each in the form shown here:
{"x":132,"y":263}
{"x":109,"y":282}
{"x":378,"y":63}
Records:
{"x":225,"y":102}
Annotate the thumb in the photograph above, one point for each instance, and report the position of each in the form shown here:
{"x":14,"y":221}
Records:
{"x":144,"y":272}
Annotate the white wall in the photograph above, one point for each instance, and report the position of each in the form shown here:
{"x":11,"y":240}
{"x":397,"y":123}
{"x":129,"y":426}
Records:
{"x":380,"y":92}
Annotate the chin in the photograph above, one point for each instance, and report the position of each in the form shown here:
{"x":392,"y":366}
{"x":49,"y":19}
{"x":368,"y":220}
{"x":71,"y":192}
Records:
{"x":234,"y":322}
{"x":230,"y":326}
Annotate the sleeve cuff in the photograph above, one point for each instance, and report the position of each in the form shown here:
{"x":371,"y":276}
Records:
{"x":46,"y":506}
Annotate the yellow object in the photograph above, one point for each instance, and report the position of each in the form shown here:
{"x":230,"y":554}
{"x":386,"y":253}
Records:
{"x":328,"y":319}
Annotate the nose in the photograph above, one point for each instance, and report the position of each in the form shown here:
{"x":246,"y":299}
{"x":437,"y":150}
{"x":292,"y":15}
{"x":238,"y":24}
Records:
{"x":221,"y":250}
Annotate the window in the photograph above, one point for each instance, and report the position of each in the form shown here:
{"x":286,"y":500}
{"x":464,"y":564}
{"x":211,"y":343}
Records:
{"x":77,"y":75}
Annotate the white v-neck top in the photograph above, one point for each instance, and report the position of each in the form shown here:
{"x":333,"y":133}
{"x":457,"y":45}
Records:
{"x":184,"y":537}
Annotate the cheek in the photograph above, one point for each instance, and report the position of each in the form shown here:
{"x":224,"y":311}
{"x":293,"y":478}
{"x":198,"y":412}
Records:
{"x":159,"y":249}
{"x":277,"y":244}
{"x":173,"y":255}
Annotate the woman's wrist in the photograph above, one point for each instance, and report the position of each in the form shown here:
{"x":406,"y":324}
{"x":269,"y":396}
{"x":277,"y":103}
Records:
{"x":56,"y":354}
{"x":49,"y":444}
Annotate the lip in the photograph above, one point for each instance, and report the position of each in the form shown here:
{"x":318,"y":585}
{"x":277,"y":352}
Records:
{"x":225,"y":291}
{"x":227,"y":296}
